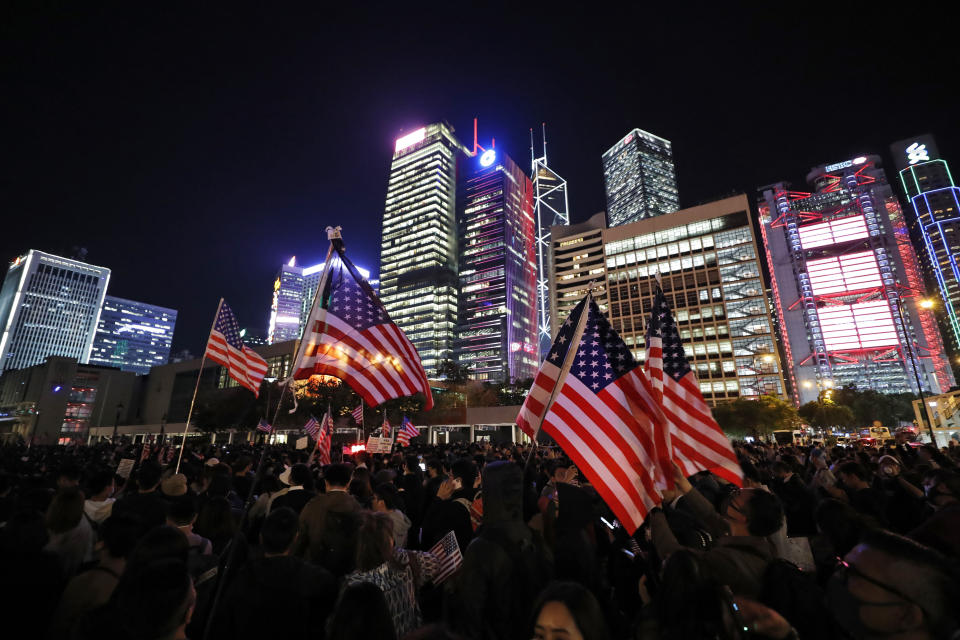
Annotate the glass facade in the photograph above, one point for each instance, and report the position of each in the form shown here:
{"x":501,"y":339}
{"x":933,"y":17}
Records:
{"x":640,"y":178}
{"x":497,"y":327}
{"x":418,"y":251}
{"x":934,"y":208}
{"x":846,"y":282}
{"x":133,"y":336}
{"x":710,"y":273}
{"x":49,"y":306}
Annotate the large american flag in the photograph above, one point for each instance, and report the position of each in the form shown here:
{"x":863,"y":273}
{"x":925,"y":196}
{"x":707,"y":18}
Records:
{"x":350,"y":336}
{"x":603,"y":412}
{"x":325,"y":438}
{"x":225,"y":347}
{"x":448,"y":555}
{"x":696,"y":440}
{"x":407,"y":431}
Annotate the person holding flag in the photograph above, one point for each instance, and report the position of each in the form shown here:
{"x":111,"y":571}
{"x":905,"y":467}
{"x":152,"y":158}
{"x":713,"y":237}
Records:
{"x":594,"y":399}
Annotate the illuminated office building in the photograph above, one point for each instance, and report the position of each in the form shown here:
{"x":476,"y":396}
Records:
{"x":933,"y":212}
{"x":293,"y":292}
{"x":708,"y":262}
{"x":133,"y":336}
{"x":640,"y":178}
{"x":418,"y":251}
{"x":497,"y":325}
{"x":550,"y":209}
{"x":49,"y":306}
{"x":846,"y":283}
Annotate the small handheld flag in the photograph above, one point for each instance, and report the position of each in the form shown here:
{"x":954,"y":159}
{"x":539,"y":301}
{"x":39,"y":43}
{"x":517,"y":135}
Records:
{"x":264,"y":426}
{"x":358,"y":413}
{"x":312,"y":428}
{"x":225,"y":347}
{"x":448,"y":555}
{"x":385,"y":429}
{"x":406,"y":432}
{"x":325,"y":438}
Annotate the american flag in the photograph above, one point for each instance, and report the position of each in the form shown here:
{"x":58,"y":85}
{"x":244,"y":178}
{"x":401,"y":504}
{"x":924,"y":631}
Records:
{"x":602,"y":414}
{"x":350,"y":336}
{"x":448,"y":555}
{"x":696,"y":440}
{"x":407,"y":431}
{"x":225,"y":347}
{"x":145,"y":452}
{"x":358,"y":414}
{"x":264,"y":426}
{"x":312,"y":428}
{"x":385,"y":429}
{"x":326,"y":438}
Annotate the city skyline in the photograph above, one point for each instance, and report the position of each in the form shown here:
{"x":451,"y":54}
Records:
{"x":285,"y":161}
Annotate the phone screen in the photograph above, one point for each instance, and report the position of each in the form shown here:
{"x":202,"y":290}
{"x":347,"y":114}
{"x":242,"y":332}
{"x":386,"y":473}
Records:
{"x":423,"y":467}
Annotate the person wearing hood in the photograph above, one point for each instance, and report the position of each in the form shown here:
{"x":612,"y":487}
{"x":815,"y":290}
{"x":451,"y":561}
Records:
{"x":99,"y":505}
{"x":505,"y":566}
{"x":386,"y":499}
{"x":299,"y":593}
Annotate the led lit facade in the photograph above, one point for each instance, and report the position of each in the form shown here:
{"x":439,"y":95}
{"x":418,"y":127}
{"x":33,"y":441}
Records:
{"x":846,"y":282}
{"x":133,"y":336}
{"x":497,"y":325}
{"x":640,"y":178}
{"x":293,"y":291}
{"x":49,"y":306}
{"x":550,"y":209}
{"x":933,"y":212}
{"x":418,"y":251}
{"x":708,"y":262}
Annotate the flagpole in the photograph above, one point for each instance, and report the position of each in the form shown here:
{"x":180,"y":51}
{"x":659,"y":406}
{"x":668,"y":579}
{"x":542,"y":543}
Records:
{"x":196,"y":388}
{"x":564,"y":370}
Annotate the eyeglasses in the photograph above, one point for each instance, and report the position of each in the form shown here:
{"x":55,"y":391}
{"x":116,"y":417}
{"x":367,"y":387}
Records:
{"x":728,"y":503}
{"x":845,"y":569}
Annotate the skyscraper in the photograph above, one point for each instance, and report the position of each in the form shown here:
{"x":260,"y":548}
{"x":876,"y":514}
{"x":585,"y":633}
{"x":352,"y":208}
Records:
{"x":497,"y":325}
{"x":550,"y":209}
{"x":133,"y":336}
{"x":846,"y":284}
{"x":418,"y":252}
{"x":708,"y":262}
{"x":640,"y":178}
{"x":933,"y":213}
{"x":293,"y":291}
{"x":285,"y":307}
{"x":49,"y":306}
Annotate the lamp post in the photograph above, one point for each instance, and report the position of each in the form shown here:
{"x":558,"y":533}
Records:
{"x":925,"y":303}
{"x":116,"y":422}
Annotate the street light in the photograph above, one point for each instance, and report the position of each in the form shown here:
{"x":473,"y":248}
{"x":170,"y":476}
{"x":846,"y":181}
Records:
{"x":925,"y":303}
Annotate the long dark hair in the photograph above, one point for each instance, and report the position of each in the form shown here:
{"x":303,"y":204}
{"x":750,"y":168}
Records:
{"x":582,"y":605}
{"x":374,"y":541}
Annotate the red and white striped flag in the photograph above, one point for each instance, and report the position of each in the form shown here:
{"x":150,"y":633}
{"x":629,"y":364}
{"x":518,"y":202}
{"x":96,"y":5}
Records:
{"x":593,"y":398}
{"x":349,"y":335}
{"x":447,"y":552}
{"x":358,"y":413}
{"x":312,"y":428}
{"x":325,"y":438}
{"x":696,"y":440}
{"x":406,"y":431}
{"x":225,"y":347}
{"x":385,"y":429}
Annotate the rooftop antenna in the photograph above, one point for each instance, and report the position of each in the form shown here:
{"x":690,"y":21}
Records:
{"x":544,"y":125}
{"x":533,"y":157}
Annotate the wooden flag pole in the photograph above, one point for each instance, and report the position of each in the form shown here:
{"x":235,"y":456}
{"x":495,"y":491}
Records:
{"x":196,"y":388}
{"x":564,"y":370}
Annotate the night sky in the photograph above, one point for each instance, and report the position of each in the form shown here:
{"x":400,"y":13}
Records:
{"x":193,"y":149}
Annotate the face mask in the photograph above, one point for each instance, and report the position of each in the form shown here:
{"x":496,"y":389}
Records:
{"x":846,"y":611}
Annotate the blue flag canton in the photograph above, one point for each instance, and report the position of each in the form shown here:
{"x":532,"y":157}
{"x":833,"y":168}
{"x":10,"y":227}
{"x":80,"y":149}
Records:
{"x":663,"y":325}
{"x":227,"y":325}
{"x":601,"y":357}
{"x":350,"y":302}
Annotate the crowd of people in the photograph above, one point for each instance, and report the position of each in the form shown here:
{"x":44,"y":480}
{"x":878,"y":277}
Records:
{"x":820,"y":542}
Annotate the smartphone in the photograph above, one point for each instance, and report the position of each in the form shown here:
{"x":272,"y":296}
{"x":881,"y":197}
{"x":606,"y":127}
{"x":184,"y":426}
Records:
{"x":733,"y":625}
{"x":423,"y":467}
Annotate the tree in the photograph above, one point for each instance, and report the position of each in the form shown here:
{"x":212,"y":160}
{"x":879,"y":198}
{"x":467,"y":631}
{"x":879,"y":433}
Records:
{"x":745,"y":417}
{"x":454,"y":373}
{"x":825,"y":414}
